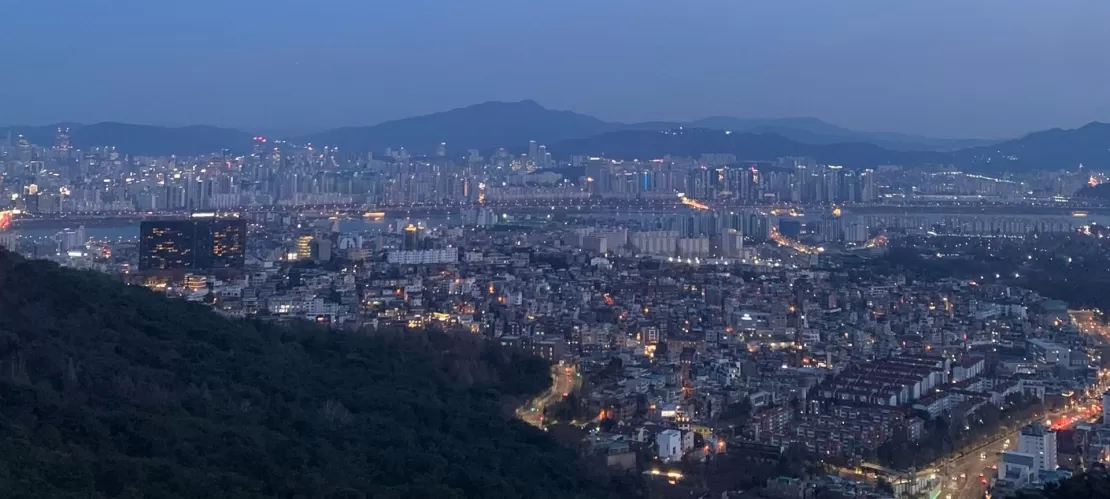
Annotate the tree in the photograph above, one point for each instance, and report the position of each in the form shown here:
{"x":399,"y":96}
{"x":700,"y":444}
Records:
{"x":110,"y":390}
{"x":736,"y":415}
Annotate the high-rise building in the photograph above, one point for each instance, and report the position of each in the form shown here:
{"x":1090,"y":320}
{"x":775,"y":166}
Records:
{"x":304,"y":247}
{"x":411,"y":239}
{"x":70,"y":240}
{"x":61,"y":140}
{"x":1106,"y":408}
{"x":197,"y":243}
{"x":867,"y":186}
{"x":731,"y":243}
{"x":9,"y":240}
{"x":221,"y":243}
{"x":320,"y":250}
{"x":1039,"y":442}
{"x":167,"y":244}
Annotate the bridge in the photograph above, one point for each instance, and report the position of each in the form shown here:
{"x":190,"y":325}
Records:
{"x":565,"y":206}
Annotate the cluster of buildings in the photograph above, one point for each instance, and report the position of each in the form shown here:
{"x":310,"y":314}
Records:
{"x":701,"y":331}
{"x":1034,"y":462}
{"x":54,"y":179}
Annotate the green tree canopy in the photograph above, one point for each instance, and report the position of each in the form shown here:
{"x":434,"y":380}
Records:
{"x":109,"y":390}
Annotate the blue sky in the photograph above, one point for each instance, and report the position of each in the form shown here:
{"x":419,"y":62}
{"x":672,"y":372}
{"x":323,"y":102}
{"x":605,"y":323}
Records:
{"x":952,"y":68}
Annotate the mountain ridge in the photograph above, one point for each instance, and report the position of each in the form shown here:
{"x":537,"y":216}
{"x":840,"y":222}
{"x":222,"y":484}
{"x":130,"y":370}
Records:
{"x":691,"y":142}
{"x":535,"y":122}
{"x":1052,"y":149}
{"x":511,"y":125}
{"x":478,"y":126}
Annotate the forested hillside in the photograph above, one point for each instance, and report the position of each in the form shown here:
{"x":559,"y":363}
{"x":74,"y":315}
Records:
{"x":108,"y":390}
{"x":1094,"y":484}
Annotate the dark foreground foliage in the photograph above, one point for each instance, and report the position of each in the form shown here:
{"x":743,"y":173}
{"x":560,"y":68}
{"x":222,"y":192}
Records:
{"x":1094,"y":484}
{"x":108,"y":390}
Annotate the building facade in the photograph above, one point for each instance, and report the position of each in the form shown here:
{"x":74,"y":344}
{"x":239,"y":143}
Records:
{"x":192,"y":244}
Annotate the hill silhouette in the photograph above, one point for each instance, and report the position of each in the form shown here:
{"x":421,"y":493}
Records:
{"x":691,"y":142}
{"x":109,"y":390}
{"x":1094,"y":484}
{"x":481,"y":126}
{"x":1054,"y":149}
{"x":511,"y":125}
{"x":817,"y":132}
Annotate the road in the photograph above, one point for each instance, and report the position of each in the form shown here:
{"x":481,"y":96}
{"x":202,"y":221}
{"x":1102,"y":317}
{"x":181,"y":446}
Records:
{"x":564,"y":380}
{"x":965,"y":475}
{"x":1090,"y":322}
{"x":962,"y":472}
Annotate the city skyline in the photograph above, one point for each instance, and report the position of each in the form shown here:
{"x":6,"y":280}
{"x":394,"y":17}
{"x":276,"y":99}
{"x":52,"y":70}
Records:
{"x":991,"y":70}
{"x":619,"y":249}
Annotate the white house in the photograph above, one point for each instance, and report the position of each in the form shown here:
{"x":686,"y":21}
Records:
{"x":670,"y":445}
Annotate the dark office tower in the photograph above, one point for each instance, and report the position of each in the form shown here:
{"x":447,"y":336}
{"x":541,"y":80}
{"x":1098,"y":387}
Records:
{"x":32,"y":202}
{"x":167,"y":244}
{"x":411,"y":238}
{"x":221,"y":243}
{"x":208,"y":243}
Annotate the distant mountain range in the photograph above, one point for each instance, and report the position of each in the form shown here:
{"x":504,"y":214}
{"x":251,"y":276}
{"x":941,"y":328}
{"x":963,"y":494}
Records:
{"x":1057,"y":148}
{"x":1054,"y":149}
{"x":498,"y":124}
{"x":815,"y":131}
{"x":481,"y":126}
{"x":692,"y":142}
{"x":512,"y":124}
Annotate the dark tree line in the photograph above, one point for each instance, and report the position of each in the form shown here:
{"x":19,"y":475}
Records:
{"x":111,"y":391}
{"x":1094,"y":484}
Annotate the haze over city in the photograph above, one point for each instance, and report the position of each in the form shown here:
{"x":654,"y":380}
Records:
{"x":984,"y":69}
{"x":616,"y":249}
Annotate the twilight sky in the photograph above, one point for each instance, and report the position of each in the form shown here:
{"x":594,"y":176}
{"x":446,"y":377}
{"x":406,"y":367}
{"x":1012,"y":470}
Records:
{"x":947,"y":68}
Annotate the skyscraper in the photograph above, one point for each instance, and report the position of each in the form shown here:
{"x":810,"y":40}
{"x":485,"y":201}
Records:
{"x":167,"y":244}
{"x":867,"y":186}
{"x":61,"y":141}
{"x":411,"y":239}
{"x":207,"y":243}
{"x":221,"y":243}
{"x":1106,"y":407}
